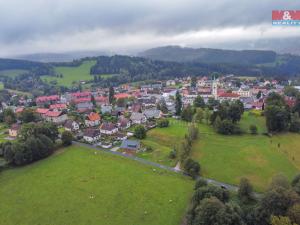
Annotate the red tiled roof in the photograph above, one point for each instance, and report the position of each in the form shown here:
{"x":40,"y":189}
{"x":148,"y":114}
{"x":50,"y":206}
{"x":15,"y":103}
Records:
{"x":93,"y":116}
{"x":122,"y":95}
{"x":42,"y":110}
{"x":101,"y":99}
{"x":80,"y":100}
{"x":58,"y":106}
{"x":53,"y":113}
{"x":19,"y":109}
{"x":47,"y":98}
{"x":228,"y":95}
{"x":81,"y":94}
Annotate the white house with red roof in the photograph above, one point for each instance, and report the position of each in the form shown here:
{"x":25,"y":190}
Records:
{"x":56,"y":117}
{"x":228,"y":96}
{"x":42,"y":112}
{"x":47,"y":99}
{"x":58,"y":107}
{"x":93,"y":119}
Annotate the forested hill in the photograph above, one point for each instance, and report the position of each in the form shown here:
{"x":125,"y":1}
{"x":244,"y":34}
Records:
{"x":208,"y":55}
{"x":37,"y":68}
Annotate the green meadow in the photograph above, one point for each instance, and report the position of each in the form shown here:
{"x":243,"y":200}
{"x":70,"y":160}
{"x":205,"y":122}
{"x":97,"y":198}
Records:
{"x":80,"y":186}
{"x":163,"y":140}
{"x":71,"y":74}
{"x":12,"y":72}
{"x":257,"y":157}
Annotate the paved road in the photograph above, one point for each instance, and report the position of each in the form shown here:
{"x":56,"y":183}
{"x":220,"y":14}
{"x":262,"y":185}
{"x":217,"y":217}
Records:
{"x":210,"y":181}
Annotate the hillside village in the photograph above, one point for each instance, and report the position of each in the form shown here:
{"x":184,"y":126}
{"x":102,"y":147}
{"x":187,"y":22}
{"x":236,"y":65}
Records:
{"x":96,"y":117}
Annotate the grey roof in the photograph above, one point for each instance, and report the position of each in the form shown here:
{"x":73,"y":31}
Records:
{"x":136,"y":116}
{"x":130,"y":144}
{"x":152,"y":113}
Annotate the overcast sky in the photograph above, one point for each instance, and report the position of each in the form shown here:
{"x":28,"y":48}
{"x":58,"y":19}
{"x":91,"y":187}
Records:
{"x":122,"y":26}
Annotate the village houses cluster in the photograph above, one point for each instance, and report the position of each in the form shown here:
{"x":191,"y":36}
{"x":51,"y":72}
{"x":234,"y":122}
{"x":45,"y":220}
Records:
{"x":92,"y":118}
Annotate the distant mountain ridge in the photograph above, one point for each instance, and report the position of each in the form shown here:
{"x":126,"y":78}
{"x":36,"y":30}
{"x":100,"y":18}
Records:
{"x":209,"y":55}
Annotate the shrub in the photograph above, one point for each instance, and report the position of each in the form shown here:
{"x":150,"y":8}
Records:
{"x":253,"y":129}
{"x":163,"y":123}
{"x":67,"y":138}
{"x":140,"y":132}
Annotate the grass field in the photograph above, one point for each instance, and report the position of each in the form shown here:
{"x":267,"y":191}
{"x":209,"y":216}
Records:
{"x":72,"y":74}
{"x":257,"y":157}
{"x":78,"y":186}
{"x":163,"y":140}
{"x":12,"y":73}
{"x":1,"y":86}
{"x":253,"y":117}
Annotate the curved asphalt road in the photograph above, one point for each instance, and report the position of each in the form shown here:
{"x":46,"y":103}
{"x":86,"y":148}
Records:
{"x":210,"y":181}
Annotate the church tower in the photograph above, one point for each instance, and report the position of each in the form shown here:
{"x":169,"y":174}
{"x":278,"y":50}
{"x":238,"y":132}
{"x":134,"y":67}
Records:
{"x":215,"y":88}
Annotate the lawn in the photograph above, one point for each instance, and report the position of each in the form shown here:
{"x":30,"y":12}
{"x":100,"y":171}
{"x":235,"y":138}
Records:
{"x":163,"y":140}
{"x":72,"y":74}
{"x":257,"y":157}
{"x":253,"y":117}
{"x":77,"y":186}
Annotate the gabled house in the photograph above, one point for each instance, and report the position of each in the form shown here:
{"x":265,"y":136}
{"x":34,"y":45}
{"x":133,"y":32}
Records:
{"x":130,"y":146}
{"x":84,"y":106}
{"x":42,"y":100}
{"x":13,"y":131}
{"x":106,"y":109}
{"x":56,"y":117}
{"x":58,"y":107}
{"x":91,"y":135}
{"x":123,"y":123}
{"x":42,"y":112}
{"x":93,"y":119}
{"x":108,"y":128}
{"x":71,"y":125}
{"x":138,"y":118}
{"x":152,"y":113}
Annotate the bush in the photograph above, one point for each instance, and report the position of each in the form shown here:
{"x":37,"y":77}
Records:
{"x":191,"y":167}
{"x":140,"y":132}
{"x":172,"y":154}
{"x":67,"y":138}
{"x":163,"y":123}
{"x":253,"y":129}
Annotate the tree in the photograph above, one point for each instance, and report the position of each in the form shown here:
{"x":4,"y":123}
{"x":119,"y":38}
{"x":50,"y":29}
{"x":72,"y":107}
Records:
{"x":199,"y":102}
{"x":207,"y":115}
{"x":200,"y":182}
{"x":9,"y":116}
{"x":295,"y":122}
{"x":162,"y":123}
{"x":253,"y":129}
{"x":199,"y":116}
{"x":296,"y":184}
{"x":93,"y":100}
{"x":27,"y":116}
{"x":111,"y":95}
{"x":191,"y":167}
{"x":291,"y":91}
{"x":281,"y":220}
{"x":193,"y":82}
{"x":67,"y":138}
{"x":277,"y":118}
{"x":294,"y":213}
{"x":140,"y":132}
{"x":187,"y":114}
{"x":245,"y":192}
{"x":178,"y":104}
{"x":162,"y":106}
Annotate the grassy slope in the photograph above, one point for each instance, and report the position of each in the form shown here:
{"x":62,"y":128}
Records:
{"x":163,"y":140}
{"x":12,"y":73}
{"x":72,"y":74}
{"x":258,"y":157}
{"x":57,"y":191}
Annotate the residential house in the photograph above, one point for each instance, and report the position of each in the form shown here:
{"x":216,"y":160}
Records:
{"x":13,"y":131}
{"x":123,"y":123}
{"x":91,"y":135}
{"x":58,"y":107}
{"x":130,"y":146}
{"x":106,"y":109}
{"x":228,"y":96}
{"x":71,"y":125}
{"x":56,"y":117}
{"x":152,"y":113}
{"x":93,"y":119}
{"x":108,"y":128}
{"x":138,"y":118}
{"x":42,"y":112}
{"x":42,"y":100}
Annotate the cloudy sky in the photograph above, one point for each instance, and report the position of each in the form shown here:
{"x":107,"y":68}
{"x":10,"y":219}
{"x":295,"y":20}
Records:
{"x":125,"y":26}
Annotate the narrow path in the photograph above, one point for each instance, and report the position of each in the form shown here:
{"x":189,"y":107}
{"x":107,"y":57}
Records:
{"x":146,"y":162}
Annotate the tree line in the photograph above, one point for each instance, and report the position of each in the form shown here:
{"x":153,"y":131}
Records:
{"x":279,"y":205}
